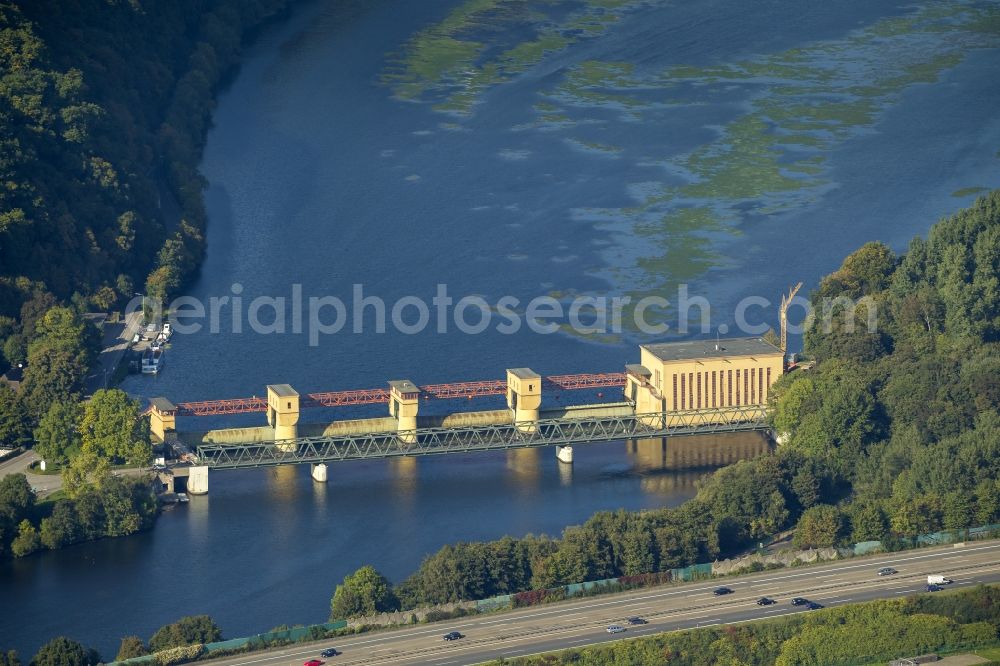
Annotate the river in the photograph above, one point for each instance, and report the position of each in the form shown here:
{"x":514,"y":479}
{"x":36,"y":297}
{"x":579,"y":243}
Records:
{"x":557,"y":149}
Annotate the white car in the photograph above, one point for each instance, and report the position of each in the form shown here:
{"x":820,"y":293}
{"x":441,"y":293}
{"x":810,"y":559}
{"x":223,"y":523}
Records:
{"x":616,"y":629}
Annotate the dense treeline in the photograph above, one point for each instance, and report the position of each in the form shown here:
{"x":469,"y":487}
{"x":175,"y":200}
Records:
{"x":860,"y":633}
{"x":175,"y":643}
{"x":116,"y":506}
{"x":86,"y":441}
{"x":894,"y":433}
{"x":103,"y":111}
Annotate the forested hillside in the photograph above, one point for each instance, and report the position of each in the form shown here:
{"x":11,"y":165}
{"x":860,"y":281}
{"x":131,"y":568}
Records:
{"x":103,"y":110}
{"x":894,"y":433}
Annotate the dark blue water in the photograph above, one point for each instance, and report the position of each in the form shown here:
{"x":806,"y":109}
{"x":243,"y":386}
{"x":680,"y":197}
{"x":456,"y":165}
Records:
{"x":320,"y":176}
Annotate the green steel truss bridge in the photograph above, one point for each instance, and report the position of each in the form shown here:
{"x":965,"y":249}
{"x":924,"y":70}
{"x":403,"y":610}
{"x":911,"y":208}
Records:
{"x":437,"y":441}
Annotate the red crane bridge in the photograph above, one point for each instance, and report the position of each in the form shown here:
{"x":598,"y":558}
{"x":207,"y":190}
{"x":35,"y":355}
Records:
{"x":381,"y":395}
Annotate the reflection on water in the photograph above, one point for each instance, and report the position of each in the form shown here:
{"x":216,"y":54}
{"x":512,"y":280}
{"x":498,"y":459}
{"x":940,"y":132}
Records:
{"x":281,"y":484}
{"x":565,"y":474}
{"x":696,"y":451}
{"x":404,"y":473}
{"x":524,"y":466}
{"x":320,"y":496}
{"x":197,"y":517}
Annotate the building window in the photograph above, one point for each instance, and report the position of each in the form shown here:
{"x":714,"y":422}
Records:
{"x":739,"y":395}
{"x":674,"y":404}
{"x":713,"y":388}
{"x":683,"y":392}
{"x":690,"y":390}
{"x":746,"y":383}
{"x":698,"y":391}
{"x":658,"y":380}
{"x":769,"y":380}
{"x":729,"y":393}
{"x":760,"y":385}
{"x":753,"y":386}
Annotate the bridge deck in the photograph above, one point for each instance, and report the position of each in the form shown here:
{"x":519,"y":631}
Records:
{"x":437,"y":441}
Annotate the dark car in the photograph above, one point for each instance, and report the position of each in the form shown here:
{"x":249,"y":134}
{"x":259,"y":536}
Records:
{"x":934,"y":588}
{"x":635,"y":620}
{"x":329,"y":652}
{"x":886,"y":571}
{"x":453,"y":636}
{"x":812,"y":605}
{"x":719,"y":591}
{"x":765,"y":601}
{"x":799,"y":601}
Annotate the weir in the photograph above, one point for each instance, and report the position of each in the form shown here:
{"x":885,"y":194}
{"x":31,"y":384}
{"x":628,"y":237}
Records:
{"x":680,"y":389}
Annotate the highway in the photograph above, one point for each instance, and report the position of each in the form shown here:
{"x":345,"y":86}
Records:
{"x":667,"y":608}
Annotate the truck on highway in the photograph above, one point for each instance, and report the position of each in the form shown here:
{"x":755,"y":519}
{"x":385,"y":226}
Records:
{"x":937,"y":579}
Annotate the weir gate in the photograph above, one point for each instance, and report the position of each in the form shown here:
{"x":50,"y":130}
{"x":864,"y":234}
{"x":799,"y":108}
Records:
{"x":688,"y":388}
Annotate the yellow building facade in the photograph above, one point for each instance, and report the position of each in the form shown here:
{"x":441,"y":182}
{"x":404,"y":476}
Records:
{"x":703,"y":374}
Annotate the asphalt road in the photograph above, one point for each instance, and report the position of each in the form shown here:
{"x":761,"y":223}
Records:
{"x":667,"y":608}
{"x":43,"y":484}
{"x":116,"y":340}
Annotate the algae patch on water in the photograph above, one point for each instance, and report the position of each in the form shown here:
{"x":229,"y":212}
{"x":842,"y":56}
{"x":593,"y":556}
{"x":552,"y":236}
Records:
{"x":800,"y":105}
{"x":483,"y":43}
{"x":763,"y":147}
{"x":969,"y":191}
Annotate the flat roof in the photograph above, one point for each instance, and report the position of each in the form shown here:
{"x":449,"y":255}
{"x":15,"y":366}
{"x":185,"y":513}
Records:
{"x":404,"y":386}
{"x":163,"y":405}
{"x":524,"y":373}
{"x":692,"y":349}
{"x":283,"y":390}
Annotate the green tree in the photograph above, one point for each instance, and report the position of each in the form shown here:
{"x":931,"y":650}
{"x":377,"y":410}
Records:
{"x":87,"y":470}
{"x":792,"y":402}
{"x":806,"y":487}
{"x":131,"y":646}
{"x":364,"y":592}
{"x":16,"y":496}
{"x":90,"y":516}
{"x":14,"y":425}
{"x":61,"y":528}
{"x":9,"y":659}
{"x":62,"y":328}
{"x":111,"y":428}
{"x":987,"y":494}
{"x":57,"y":436}
{"x":121,"y":514}
{"x":190,"y":630}
{"x":52,"y":375}
{"x":819,"y":527}
{"x":868,"y":522}
{"x":62,"y":651}
{"x":27,"y":540}
{"x":958,"y":509}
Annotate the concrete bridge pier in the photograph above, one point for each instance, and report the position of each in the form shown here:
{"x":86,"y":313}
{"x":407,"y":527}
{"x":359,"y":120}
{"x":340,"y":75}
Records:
{"x":524,"y":397}
{"x":404,"y":401}
{"x":283,"y":415}
{"x":319,"y":472}
{"x":162,"y":419}
{"x":197,"y":483}
{"x":565,"y":454}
